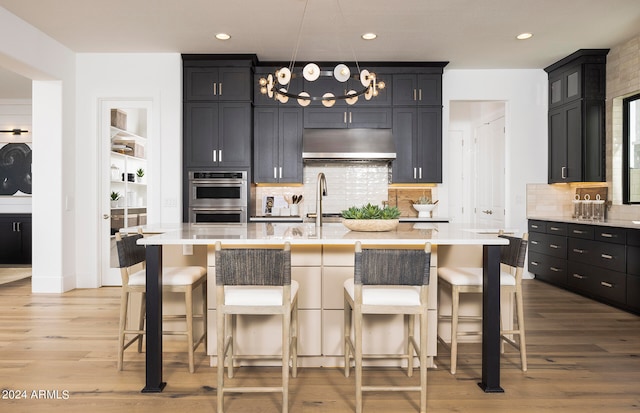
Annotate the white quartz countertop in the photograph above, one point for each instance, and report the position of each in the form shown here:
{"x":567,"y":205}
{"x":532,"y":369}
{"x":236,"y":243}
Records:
{"x":309,"y":234}
{"x":634,"y":224}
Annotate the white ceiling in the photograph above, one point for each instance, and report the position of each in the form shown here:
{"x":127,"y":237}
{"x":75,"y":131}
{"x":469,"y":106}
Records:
{"x":470,"y":34}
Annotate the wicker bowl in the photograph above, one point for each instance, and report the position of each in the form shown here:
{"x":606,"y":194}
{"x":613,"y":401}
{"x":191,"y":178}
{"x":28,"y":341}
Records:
{"x":370,"y":225}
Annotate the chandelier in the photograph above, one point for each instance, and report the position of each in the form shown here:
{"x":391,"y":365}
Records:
{"x":276,"y":85}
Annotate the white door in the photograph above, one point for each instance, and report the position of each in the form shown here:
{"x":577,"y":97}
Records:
{"x":122,"y":150}
{"x":490,"y":173}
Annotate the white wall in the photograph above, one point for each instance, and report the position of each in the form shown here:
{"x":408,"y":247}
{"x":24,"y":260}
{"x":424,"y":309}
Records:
{"x":525,"y":95}
{"x":155,"y":77}
{"x":31,"y":53}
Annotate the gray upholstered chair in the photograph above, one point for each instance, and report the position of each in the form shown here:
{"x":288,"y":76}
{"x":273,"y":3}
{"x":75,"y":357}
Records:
{"x":464,"y":280}
{"x":185,"y":280}
{"x":255,"y":282}
{"x":388,"y":281}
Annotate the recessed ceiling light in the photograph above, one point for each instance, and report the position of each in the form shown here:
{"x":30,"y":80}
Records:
{"x":524,"y":36}
{"x":369,"y":36}
{"x":223,"y":36}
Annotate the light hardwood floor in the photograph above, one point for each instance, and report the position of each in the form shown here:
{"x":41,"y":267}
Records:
{"x":583,"y":357}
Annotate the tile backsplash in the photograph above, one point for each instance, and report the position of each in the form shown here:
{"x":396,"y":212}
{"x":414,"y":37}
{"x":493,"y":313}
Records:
{"x":348,"y":183}
{"x":545,"y":200}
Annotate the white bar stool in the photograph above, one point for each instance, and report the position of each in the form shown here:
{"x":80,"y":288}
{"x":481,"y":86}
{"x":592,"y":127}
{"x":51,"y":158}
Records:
{"x":258,"y":282}
{"x":464,"y":280}
{"x":388,"y":281}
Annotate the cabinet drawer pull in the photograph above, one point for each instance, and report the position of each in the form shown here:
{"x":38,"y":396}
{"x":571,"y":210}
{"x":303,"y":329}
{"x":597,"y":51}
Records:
{"x":606,"y":235}
{"x":554,"y":246}
{"x":578,"y":276}
{"x":606,"y":256}
{"x":534,"y":226}
{"x":606,"y":284}
{"x":556,"y":269}
{"x":554,"y":229}
{"x":534,"y":242}
{"x":534,"y":263}
{"x":578,"y":251}
{"x":579,"y":231}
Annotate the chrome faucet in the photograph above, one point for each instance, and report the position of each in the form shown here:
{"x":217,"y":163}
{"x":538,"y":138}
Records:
{"x":320,"y":192}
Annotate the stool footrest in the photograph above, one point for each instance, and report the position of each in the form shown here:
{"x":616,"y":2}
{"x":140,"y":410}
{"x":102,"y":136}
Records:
{"x":388,"y":388}
{"x":253,"y":389}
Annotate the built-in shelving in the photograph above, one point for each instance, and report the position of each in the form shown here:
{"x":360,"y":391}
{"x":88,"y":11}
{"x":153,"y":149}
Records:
{"x":127,"y":157}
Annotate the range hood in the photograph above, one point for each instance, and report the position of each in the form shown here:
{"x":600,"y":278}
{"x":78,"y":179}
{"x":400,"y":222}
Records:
{"x":348,"y":144}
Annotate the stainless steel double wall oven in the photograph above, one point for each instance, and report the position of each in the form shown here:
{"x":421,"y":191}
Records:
{"x":218,"y":197}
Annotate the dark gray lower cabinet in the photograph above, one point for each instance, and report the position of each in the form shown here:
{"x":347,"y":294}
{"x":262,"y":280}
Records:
{"x":15,"y":238}
{"x":277,"y":145}
{"x":597,"y":261}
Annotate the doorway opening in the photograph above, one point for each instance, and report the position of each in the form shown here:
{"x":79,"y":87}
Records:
{"x":477,"y":159}
{"x":124,"y":145}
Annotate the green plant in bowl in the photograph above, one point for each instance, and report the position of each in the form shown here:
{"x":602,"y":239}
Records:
{"x":423,"y":200}
{"x":371,"y":212}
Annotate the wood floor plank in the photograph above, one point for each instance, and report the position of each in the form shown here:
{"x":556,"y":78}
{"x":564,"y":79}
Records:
{"x":583,"y":357}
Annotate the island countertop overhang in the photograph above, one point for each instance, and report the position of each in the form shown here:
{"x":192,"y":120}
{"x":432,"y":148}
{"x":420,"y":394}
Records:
{"x":329,"y":233}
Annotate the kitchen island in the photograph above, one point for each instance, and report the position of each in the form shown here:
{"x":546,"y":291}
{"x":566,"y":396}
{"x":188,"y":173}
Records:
{"x":330,"y":235}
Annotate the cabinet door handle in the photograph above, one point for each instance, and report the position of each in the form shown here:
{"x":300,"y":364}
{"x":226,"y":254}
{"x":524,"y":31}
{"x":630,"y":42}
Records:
{"x":578,"y":251}
{"x":19,"y":226}
{"x":564,"y":172}
{"x":554,"y":246}
{"x":606,"y":235}
{"x":556,"y":269}
{"x":220,"y":155}
{"x":215,"y":156}
{"x":280,"y":172}
{"x":345,"y":117}
{"x":414,"y":173}
{"x":220,"y":89}
{"x":606,"y":256}
{"x":350,"y":117}
{"x":414,"y":94}
{"x":275,"y":175}
{"x":420,"y":172}
{"x":606,"y":284}
{"x":215,"y":88}
{"x":419,"y":94}
{"x":578,"y":276}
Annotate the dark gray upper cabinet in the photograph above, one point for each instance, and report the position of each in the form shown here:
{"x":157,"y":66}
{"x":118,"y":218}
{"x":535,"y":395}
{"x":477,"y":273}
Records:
{"x":418,"y":136}
{"x":347,"y":117}
{"x":277,"y":144}
{"x":212,"y":83}
{"x":577,"y":117}
{"x":217,"y":134}
{"x":417,"y":89}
